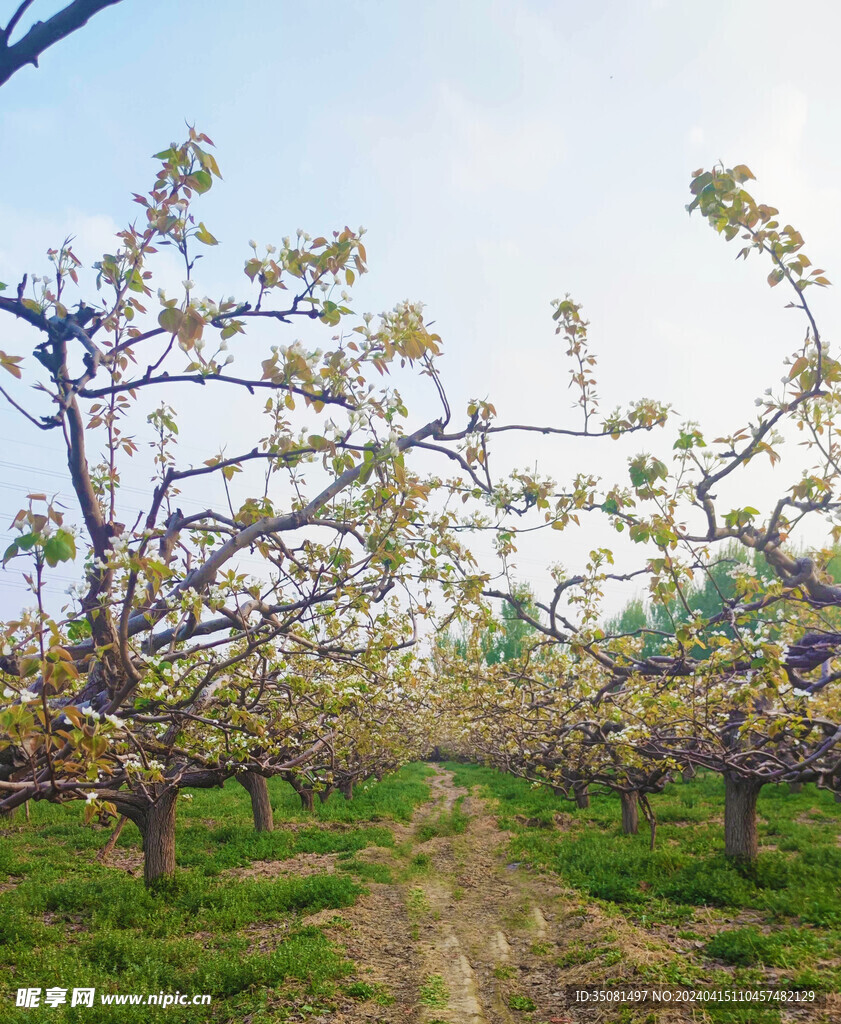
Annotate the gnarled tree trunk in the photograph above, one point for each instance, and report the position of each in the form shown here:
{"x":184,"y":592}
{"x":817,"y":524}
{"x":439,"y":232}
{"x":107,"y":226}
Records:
{"x":324,"y":794}
{"x":582,"y":794}
{"x":630,"y":812}
{"x":740,"y":839}
{"x":795,"y":787}
{"x":688,"y":773}
{"x":261,"y":806}
{"x":159,"y":838}
{"x":155,"y":818}
{"x":346,"y":789}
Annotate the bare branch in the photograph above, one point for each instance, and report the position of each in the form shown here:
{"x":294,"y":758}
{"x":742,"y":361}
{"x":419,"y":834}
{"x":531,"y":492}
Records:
{"x":43,"y":34}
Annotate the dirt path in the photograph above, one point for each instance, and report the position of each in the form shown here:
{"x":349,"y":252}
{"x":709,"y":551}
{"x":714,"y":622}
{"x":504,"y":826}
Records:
{"x":462,"y":937}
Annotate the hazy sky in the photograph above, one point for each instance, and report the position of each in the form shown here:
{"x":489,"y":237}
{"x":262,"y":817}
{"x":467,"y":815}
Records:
{"x":499,"y":154}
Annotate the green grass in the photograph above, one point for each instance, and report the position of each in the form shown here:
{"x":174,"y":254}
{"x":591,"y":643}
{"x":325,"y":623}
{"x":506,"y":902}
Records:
{"x":521,"y":1003}
{"x":792,"y":892}
{"x":433,"y":992}
{"x":69,"y":921}
{"x":366,"y":870}
{"x":788,"y":947}
{"x":364,"y":991}
{"x":417,"y":902}
{"x":232,"y":842}
{"x":447,"y":823}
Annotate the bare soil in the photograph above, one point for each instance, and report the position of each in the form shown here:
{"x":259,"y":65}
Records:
{"x":301,"y":865}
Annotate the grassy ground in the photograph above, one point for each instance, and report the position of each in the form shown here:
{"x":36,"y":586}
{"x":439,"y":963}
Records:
{"x":779,"y":921}
{"x":68,"y":921}
{"x":236,"y":927}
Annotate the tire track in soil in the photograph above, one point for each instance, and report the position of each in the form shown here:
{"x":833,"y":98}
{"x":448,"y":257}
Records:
{"x":480,"y":923}
{"x":461,"y":941}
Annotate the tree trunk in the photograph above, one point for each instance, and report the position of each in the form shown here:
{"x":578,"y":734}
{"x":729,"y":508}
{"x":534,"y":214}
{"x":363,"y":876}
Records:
{"x":795,"y":787}
{"x":261,"y":806}
{"x":159,"y":838}
{"x":740,"y":840}
{"x":582,"y":794}
{"x":630,"y":812}
{"x":346,"y":789}
{"x":689,"y":773}
{"x":324,"y":794}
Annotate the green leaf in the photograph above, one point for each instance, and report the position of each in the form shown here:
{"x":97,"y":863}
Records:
{"x":203,"y":235}
{"x":171,"y":319}
{"x":689,"y":440}
{"x":203,"y":181}
{"x":61,"y":547}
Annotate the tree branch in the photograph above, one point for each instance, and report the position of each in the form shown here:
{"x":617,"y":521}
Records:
{"x":43,"y":34}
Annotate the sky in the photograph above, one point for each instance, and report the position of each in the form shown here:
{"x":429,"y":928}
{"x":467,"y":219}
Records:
{"x":499,"y":154}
